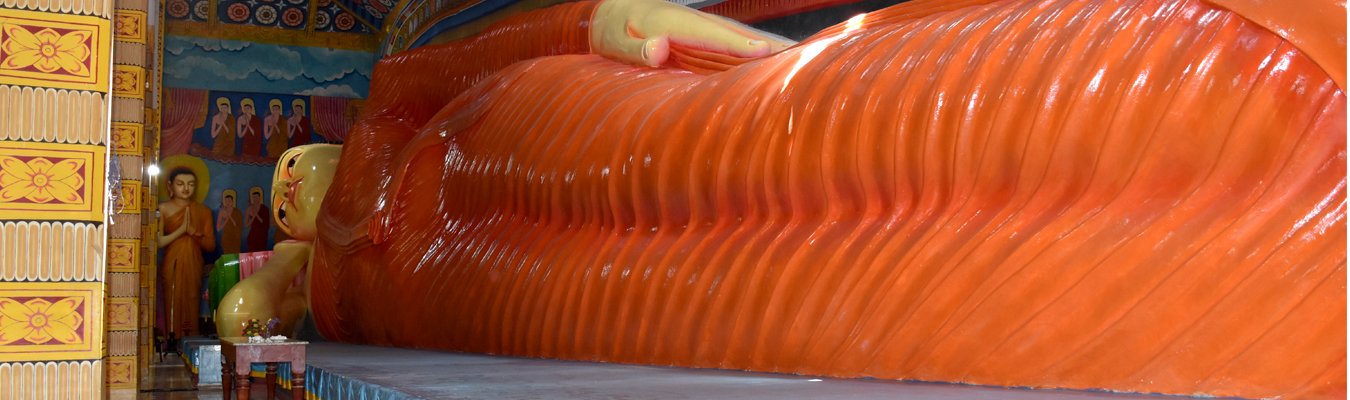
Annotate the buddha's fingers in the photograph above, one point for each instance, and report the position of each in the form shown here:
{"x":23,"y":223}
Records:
{"x":642,"y":32}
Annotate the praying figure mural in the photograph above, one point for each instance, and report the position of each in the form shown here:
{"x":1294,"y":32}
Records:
{"x":275,"y":129}
{"x":250,"y":128}
{"x":297,"y":126}
{"x":276,"y":123}
{"x":258,"y":220}
{"x":230,"y":223}
{"x":223,"y":130}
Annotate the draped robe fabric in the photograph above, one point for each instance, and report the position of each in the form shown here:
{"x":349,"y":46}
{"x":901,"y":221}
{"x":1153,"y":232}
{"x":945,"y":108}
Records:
{"x":181,"y":268}
{"x":1143,"y":196}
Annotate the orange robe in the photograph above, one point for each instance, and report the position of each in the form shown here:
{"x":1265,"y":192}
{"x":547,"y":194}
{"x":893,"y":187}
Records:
{"x":1140,"y":196}
{"x":232,"y":234}
{"x":181,"y":268}
{"x":223,"y":145}
{"x":276,"y":144}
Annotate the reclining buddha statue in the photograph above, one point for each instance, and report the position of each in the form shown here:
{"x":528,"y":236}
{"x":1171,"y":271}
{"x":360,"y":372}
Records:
{"x":300,"y":181}
{"x":1128,"y":195}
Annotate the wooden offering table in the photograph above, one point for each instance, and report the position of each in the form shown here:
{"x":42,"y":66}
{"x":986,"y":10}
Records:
{"x":237,"y":355}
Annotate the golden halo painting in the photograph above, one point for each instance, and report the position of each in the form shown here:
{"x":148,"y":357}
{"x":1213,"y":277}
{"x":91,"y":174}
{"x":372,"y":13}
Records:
{"x":194,"y":164}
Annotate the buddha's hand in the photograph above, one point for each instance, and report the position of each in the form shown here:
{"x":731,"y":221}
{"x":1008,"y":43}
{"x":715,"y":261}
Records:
{"x":643,"y":31}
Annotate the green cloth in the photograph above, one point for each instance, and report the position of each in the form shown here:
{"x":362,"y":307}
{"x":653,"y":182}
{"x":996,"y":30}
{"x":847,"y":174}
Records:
{"x":222,"y":278}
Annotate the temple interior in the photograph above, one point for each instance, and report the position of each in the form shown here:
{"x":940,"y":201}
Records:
{"x":672,"y":199}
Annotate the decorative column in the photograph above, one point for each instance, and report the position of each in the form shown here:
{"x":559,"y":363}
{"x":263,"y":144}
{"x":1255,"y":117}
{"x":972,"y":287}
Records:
{"x":55,"y":69}
{"x":125,"y":244}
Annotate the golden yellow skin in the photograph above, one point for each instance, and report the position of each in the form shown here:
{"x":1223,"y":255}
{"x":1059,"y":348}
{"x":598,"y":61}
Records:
{"x":641,"y":32}
{"x":302,"y":177}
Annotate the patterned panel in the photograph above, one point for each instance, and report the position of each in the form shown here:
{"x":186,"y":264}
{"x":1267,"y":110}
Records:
{"x":147,"y":230}
{"x":188,"y":10}
{"x":126,"y":138}
{"x":128,"y":81}
{"x":133,"y":5}
{"x":123,"y":284}
{"x":129,"y":26}
{"x":146,"y":205}
{"x":122,"y":343}
{"x":101,"y":8}
{"x":51,"y":115}
{"x":46,"y":251}
{"x":51,"y":181}
{"x":129,"y":53}
{"x":124,"y":226}
{"x":69,"y":380}
{"x":129,"y":202}
{"x":133,"y":167}
{"x":372,"y":11}
{"x":131,"y":85}
{"x":50,"y":321}
{"x":54,"y":50}
{"x":289,"y":14}
{"x":121,"y":313}
{"x":124,"y":255}
{"x":330,"y":17}
{"x":126,"y":109}
{"x":121,"y":372}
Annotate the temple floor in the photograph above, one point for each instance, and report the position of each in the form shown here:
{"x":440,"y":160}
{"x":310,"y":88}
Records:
{"x":171,"y":380}
{"x":341,"y":371}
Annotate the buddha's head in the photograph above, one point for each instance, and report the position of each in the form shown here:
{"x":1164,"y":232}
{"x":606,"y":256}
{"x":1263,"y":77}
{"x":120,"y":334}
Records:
{"x":302,"y":178}
{"x":182,"y":184}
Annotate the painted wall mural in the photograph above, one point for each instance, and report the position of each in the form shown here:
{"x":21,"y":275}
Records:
{"x":289,"y":14}
{"x":188,"y":10}
{"x":334,"y":16}
{"x":239,"y":136}
{"x":219,"y":64}
{"x":340,"y":24}
{"x":238,"y":105}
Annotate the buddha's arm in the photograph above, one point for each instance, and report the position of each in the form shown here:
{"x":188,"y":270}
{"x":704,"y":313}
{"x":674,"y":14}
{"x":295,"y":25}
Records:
{"x":415,"y":84}
{"x":412,"y":85}
{"x":409,"y":88}
{"x":261,"y":295}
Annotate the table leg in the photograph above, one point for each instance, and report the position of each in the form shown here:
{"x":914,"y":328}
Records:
{"x":297,"y":385}
{"x":241,"y":386}
{"x":271,"y":380}
{"x":226,"y":378}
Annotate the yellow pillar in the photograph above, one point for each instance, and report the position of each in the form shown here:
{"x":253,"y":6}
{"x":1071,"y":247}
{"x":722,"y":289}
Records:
{"x":126,"y":247}
{"x":55,"y":93}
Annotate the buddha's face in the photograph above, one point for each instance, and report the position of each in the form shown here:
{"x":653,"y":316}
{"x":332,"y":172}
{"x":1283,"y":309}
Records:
{"x":184,"y":186}
{"x":302,"y":178}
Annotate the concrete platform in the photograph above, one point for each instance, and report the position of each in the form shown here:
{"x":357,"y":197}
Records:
{"x":339,"y":371}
